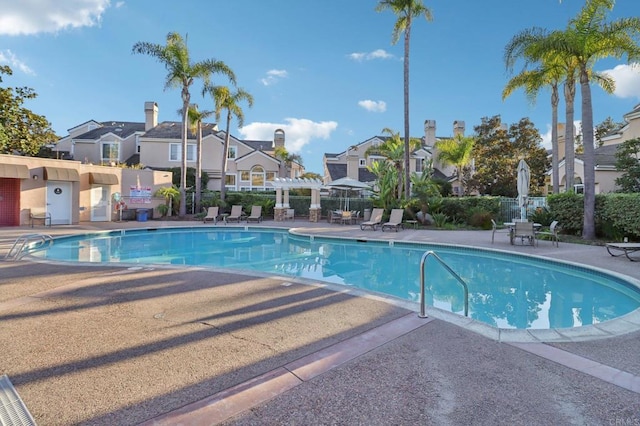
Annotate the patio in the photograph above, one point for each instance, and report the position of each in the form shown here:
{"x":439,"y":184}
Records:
{"x":119,"y":345}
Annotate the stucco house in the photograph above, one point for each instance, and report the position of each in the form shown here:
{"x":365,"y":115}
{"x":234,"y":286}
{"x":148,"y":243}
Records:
{"x":605,"y":160}
{"x":353,"y":162}
{"x":158,"y":146}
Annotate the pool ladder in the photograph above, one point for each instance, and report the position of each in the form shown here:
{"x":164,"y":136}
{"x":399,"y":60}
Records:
{"x":17,"y":250}
{"x":423,"y":298}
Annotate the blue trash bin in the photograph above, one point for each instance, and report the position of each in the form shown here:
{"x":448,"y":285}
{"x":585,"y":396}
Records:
{"x":141,"y":215}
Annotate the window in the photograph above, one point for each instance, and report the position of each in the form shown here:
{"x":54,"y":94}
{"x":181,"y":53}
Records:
{"x":230,"y":180}
{"x":138,"y":144}
{"x":257,"y":176}
{"x":175,"y":152}
{"x":419,"y":165}
{"x":363,"y":162}
{"x":110,"y":151}
{"x":244,"y":175}
{"x":232,"y":153}
{"x":271,"y":176}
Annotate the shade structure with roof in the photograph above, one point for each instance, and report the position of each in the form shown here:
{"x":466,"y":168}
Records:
{"x":524,"y":178}
{"x":347,"y":184}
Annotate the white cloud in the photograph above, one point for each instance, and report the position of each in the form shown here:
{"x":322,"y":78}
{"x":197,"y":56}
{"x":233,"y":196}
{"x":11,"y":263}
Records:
{"x":7,"y":57}
{"x":627,"y":78}
{"x":119,"y":4}
{"x":273,"y":76}
{"x":298,"y":132}
{"x":373,"y":106}
{"x":27,"y":17}
{"x":376,"y":54}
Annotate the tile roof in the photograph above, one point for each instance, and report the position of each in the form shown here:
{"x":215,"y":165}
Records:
{"x":173,"y":130}
{"x":122,"y":129}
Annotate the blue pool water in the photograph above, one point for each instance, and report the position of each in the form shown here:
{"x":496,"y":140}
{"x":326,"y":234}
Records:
{"x":505,"y":291}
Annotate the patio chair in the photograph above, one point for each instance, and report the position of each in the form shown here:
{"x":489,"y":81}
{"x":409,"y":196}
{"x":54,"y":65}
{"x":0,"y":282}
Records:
{"x":346,"y":217}
{"x":236,"y":214}
{"x":256,"y":214}
{"x":374,"y":221}
{"x":212,"y":215}
{"x":335,"y":216}
{"x":524,"y":230}
{"x":395,"y":220}
{"x":290,"y":214}
{"x":498,"y":231}
{"x":553,"y":232}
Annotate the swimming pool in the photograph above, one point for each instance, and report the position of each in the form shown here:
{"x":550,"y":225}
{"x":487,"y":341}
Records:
{"x":506,"y":291}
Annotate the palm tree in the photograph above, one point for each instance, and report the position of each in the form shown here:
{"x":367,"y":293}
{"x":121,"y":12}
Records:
{"x":195,"y":124}
{"x":457,"y":152}
{"x":224,"y":98}
{"x":405,"y":10}
{"x":181,"y":73}
{"x":281,"y":153}
{"x":587,"y":39}
{"x":549,"y":73}
{"x":393,"y":150}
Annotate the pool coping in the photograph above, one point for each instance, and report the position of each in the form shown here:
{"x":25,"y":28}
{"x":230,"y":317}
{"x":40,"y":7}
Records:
{"x":624,"y":324}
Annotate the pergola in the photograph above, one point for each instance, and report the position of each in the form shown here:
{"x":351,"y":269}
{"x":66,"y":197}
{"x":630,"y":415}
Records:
{"x":283,"y":185}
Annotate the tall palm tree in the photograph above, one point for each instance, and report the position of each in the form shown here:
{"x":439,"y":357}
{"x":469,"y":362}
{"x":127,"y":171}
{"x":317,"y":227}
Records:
{"x":224,"y":98}
{"x":587,"y":39}
{"x":549,"y":73}
{"x":181,"y":73}
{"x":405,"y":10}
{"x":196,"y":118}
{"x":457,"y":152}
{"x":287,"y":158}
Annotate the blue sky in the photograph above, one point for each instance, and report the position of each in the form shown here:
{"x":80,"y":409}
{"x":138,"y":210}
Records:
{"x":323,"y":70}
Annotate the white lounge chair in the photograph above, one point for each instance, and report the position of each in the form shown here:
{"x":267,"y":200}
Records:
{"x":236,"y":214}
{"x":374,"y":221}
{"x":395,"y":220}
{"x":619,"y":249}
{"x":212,"y":215}
{"x":256,"y":214}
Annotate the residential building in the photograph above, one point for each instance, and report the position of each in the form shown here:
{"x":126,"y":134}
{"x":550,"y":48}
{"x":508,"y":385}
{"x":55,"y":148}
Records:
{"x":605,"y":160}
{"x":353,"y":162}
{"x":158,"y":146}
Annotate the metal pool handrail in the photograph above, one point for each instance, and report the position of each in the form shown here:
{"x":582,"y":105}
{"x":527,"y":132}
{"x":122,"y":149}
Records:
{"x":423,"y":302}
{"x":17,"y":249}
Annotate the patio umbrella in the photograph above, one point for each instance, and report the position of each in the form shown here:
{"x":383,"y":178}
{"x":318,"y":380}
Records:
{"x":524,"y":177}
{"x":347,"y":184}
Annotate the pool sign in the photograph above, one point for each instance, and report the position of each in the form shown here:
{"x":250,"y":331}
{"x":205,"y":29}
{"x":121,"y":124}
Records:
{"x":140,"y":194}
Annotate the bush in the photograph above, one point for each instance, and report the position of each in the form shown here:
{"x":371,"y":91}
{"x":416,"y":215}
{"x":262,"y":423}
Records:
{"x":618,"y":215}
{"x":479,"y":218}
{"x":542,"y":215}
{"x":568,"y":210}
{"x":460,"y":209}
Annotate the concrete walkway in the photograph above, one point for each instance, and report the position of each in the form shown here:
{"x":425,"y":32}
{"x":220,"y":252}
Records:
{"x":117,"y":345}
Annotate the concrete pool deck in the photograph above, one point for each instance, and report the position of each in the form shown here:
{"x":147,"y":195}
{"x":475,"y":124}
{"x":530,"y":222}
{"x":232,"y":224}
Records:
{"x":120,"y":345}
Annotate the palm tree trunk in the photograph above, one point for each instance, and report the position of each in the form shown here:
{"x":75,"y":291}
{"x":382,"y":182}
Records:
{"x":588,"y":227}
{"x":569,"y":149}
{"x":199,"y":168}
{"x":183,"y":171}
{"x":223,"y":172}
{"x":555,"y":175}
{"x":407,"y":36}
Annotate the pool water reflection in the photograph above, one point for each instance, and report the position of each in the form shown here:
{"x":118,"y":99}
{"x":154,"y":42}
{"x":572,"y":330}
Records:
{"x":505,"y":291}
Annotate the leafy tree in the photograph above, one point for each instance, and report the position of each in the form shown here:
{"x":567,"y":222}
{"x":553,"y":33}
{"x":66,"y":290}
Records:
{"x":386,"y":183}
{"x":628,"y":162}
{"x":21,"y":130}
{"x":497,"y":152}
{"x":406,"y":11}
{"x":456,"y":151}
{"x":181,"y":73}
{"x":605,"y":128}
{"x":225,"y":99}
{"x":427,"y":192}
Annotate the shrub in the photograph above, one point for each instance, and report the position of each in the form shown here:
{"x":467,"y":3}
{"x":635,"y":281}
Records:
{"x":542,"y":215}
{"x":439,"y":219}
{"x":479,"y":218}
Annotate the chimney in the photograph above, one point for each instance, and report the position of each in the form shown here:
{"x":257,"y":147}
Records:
{"x":278,"y":138}
{"x":353,"y":165}
{"x":458,"y":128}
{"x":150,"y":115}
{"x":430,"y":133}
